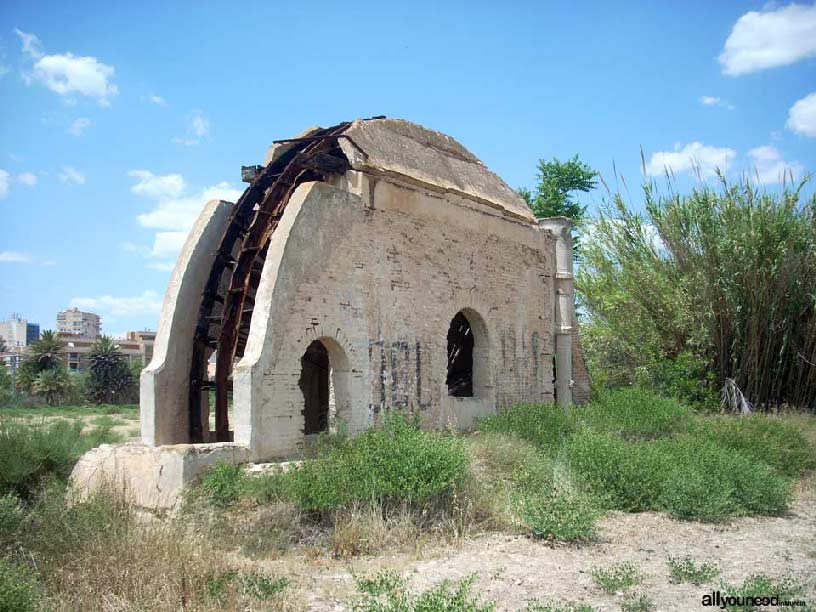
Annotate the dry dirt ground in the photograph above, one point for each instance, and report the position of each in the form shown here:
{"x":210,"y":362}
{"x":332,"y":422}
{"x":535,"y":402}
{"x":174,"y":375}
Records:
{"x":512,"y":570}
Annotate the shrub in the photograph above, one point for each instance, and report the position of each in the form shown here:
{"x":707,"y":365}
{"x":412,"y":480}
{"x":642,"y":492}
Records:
{"x":545,"y":425}
{"x":391,"y":462}
{"x":637,"y":414}
{"x":617,"y":577}
{"x":684,"y":569}
{"x":221,"y":486}
{"x":622,"y":475}
{"x":262,"y":586}
{"x":28,"y":453}
{"x":764,"y":438}
{"x":725,"y":274}
{"x":711,"y":483}
{"x":388,"y":592}
{"x":559,"y":514}
{"x":18,"y":588}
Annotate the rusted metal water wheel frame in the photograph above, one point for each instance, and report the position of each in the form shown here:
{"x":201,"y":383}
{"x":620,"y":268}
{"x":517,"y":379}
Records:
{"x":254,"y":218}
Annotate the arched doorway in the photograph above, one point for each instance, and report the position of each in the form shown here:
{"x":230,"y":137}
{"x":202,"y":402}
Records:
{"x":315,"y":372}
{"x":460,"y":357}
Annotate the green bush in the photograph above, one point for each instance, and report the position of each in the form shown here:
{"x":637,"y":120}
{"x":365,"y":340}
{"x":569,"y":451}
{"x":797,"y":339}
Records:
{"x":559,"y":514}
{"x":545,"y":425}
{"x":221,"y":486}
{"x":28,"y":453}
{"x":637,"y":414}
{"x":18,"y":588}
{"x":624,"y":475}
{"x":391,"y":462}
{"x":720,"y":279}
{"x":764,"y":438}
{"x":712,"y":483}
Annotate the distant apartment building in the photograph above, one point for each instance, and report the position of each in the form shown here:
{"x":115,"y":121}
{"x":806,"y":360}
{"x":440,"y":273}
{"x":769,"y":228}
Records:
{"x":136,"y":346}
{"x":76,"y":322}
{"x":17,"y":333}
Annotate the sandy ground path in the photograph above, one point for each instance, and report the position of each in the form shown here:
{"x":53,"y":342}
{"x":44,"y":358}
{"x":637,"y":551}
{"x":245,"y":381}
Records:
{"x":512,"y":570}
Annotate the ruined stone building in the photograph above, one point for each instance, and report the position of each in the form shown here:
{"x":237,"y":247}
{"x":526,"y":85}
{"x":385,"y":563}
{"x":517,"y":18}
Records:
{"x":372,"y":266}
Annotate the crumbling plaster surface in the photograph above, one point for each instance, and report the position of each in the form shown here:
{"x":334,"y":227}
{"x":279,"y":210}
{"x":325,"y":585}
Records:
{"x":378,"y":276}
{"x":164,"y":384}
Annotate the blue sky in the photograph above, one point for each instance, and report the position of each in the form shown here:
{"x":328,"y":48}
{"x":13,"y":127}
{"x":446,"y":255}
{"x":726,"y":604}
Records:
{"x":120,"y":119}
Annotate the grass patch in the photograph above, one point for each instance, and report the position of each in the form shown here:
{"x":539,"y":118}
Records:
{"x":30,"y":453}
{"x":637,"y":602}
{"x":387,"y":591}
{"x":393,"y":462}
{"x":537,"y":606}
{"x":125,"y":410}
{"x":19,"y":591}
{"x":685,"y":569}
{"x":632,"y":450}
{"x":618,"y":577}
{"x":752,"y":593}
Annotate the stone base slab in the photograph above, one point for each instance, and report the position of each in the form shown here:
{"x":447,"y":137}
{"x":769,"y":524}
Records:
{"x":151,"y":477}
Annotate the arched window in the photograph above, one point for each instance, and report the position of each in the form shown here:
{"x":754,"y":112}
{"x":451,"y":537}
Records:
{"x":460,"y":357}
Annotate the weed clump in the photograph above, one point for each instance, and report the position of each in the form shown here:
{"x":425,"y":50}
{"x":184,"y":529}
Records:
{"x":617,"y":577}
{"x":685,"y":569}
{"x":387,"y":591}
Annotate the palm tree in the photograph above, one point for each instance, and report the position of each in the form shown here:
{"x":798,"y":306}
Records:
{"x":52,"y":384}
{"x":109,"y":377}
{"x":47,"y":351}
{"x":45,"y":354}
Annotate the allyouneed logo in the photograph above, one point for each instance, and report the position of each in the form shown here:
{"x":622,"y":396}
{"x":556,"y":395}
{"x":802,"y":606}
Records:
{"x":719,"y":600}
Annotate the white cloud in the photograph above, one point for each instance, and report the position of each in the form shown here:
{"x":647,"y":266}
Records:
{"x":157,"y":187}
{"x":24,"y":258}
{"x":15,"y":257}
{"x":66,"y":74}
{"x":768,"y":39}
{"x":179,"y":214}
{"x":27,"y":178}
{"x":690,"y":158}
{"x":163,"y":266}
{"x":173,"y":215}
{"x":167,"y":244}
{"x":71,"y":175}
{"x":6,"y":179}
{"x":715,"y":101}
{"x":149,"y":302}
{"x":158,"y":100}
{"x":769,"y":167}
{"x":32,"y":48}
{"x":802,"y":116}
{"x":198,"y":129}
{"x":78,"y":126}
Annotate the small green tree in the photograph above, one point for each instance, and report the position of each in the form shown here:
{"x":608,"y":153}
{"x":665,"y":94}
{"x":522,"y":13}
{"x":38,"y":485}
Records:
{"x":52,"y":385}
{"x":110,"y":379}
{"x":45,"y":354}
{"x":558,"y":183}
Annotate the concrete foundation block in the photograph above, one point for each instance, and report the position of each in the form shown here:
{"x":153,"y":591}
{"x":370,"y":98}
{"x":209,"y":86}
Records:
{"x":150,"y":477}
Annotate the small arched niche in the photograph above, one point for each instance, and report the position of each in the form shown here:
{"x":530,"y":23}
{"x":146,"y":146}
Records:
{"x":324,"y":383}
{"x":468,"y":368}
